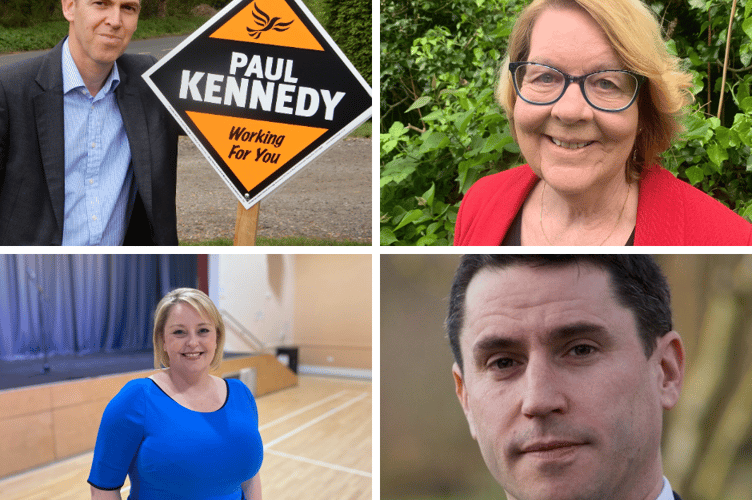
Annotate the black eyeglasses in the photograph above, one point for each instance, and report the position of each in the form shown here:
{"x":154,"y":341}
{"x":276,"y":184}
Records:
{"x":609,"y":90}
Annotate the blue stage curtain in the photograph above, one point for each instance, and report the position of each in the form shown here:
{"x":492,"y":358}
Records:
{"x":79,"y":304}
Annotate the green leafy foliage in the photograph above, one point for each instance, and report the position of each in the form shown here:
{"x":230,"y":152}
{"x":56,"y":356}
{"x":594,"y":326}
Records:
{"x":441,"y":129}
{"x":28,"y":13}
{"x":350,"y":26}
{"x":16,"y":13}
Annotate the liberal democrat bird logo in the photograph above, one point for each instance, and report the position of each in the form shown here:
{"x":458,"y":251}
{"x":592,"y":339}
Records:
{"x":266,"y":23}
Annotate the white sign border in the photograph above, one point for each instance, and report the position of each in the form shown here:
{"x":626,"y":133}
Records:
{"x":249,"y":202}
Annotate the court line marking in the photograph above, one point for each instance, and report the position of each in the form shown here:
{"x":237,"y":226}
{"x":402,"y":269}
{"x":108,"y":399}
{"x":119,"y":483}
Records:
{"x":320,"y":463}
{"x":303,"y":427}
{"x":301,"y":410}
{"x":315,"y":420}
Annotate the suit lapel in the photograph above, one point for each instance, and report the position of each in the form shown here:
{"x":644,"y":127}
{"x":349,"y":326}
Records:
{"x":136,"y":128}
{"x":48,"y":113}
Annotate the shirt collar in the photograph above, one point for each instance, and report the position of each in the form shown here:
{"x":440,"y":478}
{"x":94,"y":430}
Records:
{"x":666,"y":493}
{"x":72,"y":77}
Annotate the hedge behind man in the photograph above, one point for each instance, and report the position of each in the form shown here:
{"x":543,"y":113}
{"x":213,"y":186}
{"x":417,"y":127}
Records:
{"x":88,"y":155}
{"x":563,"y":367}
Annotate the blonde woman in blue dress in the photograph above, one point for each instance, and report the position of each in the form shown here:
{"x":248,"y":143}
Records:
{"x":181,"y":433}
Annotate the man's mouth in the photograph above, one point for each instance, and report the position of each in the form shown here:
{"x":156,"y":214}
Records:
{"x":111,"y":38}
{"x":548,"y":446}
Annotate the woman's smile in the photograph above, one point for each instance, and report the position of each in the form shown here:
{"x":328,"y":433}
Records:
{"x":570,"y":143}
{"x":571,"y":130}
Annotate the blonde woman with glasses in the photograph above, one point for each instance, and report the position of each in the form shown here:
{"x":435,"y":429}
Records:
{"x":593,"y":98}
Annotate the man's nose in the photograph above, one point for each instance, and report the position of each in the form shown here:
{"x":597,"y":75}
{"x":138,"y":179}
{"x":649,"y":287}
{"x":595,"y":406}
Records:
{"x":114,"y":16}
{"x":542,"y":392}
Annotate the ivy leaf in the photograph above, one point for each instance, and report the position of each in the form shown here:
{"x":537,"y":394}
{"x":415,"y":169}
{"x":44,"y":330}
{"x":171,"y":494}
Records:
{"x":697,"y":128}
{"x":746,"y":104}
{"x":717,"y":154}
{"x":745,"y":55}
{"x":747,"y":27}
{"x":695,"y":175}
{"x":426,"y":240}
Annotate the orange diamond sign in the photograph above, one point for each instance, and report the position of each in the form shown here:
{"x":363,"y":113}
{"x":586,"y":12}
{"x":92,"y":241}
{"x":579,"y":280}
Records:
{"x":262,"y":90}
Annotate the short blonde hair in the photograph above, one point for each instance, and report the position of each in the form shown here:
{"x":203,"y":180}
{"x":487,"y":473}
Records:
{"x":199,"y":301}
{"x":635,"y":35}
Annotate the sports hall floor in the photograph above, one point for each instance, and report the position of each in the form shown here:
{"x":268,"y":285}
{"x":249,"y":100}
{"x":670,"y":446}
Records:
{"x":317,"y":446}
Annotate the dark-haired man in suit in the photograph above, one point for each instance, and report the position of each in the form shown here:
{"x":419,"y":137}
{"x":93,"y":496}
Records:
{"x":563,"y":367}
{"x":88,"y":155}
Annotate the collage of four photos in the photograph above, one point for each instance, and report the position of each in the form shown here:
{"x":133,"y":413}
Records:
{"x":379,"y":344}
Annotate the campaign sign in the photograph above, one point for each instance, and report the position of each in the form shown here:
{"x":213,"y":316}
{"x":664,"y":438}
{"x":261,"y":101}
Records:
{"x":262,"y":90}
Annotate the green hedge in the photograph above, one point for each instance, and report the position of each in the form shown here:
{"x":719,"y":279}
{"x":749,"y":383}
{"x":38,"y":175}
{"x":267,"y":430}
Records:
{"x":441,"y":129}
{"x":349,"y":24}
{"x":18,"y":13}
{"x":23,"y":13}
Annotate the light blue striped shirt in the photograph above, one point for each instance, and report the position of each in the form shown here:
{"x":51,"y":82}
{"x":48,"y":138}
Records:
{"x":98,"y":176}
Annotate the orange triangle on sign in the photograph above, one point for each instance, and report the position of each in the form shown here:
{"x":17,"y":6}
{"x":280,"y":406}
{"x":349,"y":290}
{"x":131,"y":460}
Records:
{"x":254,"y":149}
{"x":271,"y":22}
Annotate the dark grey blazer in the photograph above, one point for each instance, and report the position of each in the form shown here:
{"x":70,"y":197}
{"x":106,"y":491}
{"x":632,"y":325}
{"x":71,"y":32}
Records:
{"x":32,"y":153}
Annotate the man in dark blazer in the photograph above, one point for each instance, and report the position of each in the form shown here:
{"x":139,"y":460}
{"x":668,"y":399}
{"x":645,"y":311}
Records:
{"x":33,"y":149}
{"x":563,"y":367}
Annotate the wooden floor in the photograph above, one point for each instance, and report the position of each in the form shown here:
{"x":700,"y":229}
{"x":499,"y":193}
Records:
{"x":317,"y":445}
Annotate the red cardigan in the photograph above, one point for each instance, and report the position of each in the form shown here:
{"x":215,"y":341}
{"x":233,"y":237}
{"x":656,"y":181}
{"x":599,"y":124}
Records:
{"x":669,"y":211}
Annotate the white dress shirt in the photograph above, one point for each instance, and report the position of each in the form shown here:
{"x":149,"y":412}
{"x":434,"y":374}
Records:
{"x":666,"y":493}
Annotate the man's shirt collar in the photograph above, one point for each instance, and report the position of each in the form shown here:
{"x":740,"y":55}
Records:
{"x":72,"y":79}
{"x":666,"y":493}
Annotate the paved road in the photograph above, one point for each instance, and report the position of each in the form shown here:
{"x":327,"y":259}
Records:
{"x":157,"y":47}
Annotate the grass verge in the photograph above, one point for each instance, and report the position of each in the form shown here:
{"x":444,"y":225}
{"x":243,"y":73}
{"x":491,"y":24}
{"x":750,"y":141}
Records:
{"x":282,"y":242}
{"x":362,"y":131}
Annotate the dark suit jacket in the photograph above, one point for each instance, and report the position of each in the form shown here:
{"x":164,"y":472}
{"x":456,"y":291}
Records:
{"x":32,"y":153}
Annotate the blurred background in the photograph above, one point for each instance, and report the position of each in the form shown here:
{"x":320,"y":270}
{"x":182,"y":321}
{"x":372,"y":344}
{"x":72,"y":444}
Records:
{"x":426,"y":448}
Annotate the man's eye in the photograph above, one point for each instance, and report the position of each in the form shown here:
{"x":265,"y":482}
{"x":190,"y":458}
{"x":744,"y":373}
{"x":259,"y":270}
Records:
{"x":582,"y":350}
{"x":503,"y":363}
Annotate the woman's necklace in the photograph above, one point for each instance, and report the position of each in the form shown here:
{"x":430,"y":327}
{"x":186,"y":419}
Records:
{"x":629,"y":187}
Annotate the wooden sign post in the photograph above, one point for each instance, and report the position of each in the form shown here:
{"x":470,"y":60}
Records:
{"x":246,"y":225}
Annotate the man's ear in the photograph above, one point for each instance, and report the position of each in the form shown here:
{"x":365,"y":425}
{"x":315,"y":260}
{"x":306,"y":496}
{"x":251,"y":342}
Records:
{"x":670,"y":352}
{"x":68,"y":9}
{"x":459,"y":385}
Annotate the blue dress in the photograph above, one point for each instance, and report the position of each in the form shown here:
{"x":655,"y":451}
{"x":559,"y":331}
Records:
{"x":171,"y":452}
